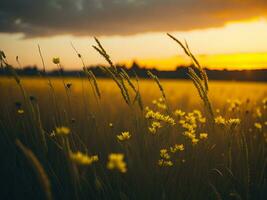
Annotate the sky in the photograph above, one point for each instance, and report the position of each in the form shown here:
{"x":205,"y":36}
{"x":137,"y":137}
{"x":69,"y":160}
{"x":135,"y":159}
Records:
{"x":227,"y":34}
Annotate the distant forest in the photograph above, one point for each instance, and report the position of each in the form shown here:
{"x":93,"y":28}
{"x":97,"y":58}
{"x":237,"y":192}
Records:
{"x":141,"y":72}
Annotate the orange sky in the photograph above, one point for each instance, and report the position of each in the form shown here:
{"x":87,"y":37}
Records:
{"x":236,"y":45}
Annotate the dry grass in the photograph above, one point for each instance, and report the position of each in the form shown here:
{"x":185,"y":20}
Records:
{"x":123,"y":138}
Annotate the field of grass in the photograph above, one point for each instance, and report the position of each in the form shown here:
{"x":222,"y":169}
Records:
{"x":77,"y":138}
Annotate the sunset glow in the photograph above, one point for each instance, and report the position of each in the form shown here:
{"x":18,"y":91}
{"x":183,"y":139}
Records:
{"x":233,"y":46}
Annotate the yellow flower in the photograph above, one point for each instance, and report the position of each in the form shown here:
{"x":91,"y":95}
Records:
{"x":56,"y":60}
{"x":116,"y":162}
{"x":220,"y":120}
{"x":179,"y":113}
{"x":177,"y":147}
{"x":181,"y":122}
{"x":164,"y":154}
{"x":160,"y":117}
{"x":110,"y":125}
{"x":152,"y":130}
{"x":165,"y":163}
{"x":234,"y":122}
{"x":202,"y":120}
{"x":83,"y":159}
{"x":258,"y":112}
{"x":258,"y":125}
{"x":62,"y":130}
{"x":154,"y":127}
{"x":194,"y":141}
{"x":124,"y":136}
{"x":190,"y":134}
{"x":20,"y":111}
{"x":203,"y":135}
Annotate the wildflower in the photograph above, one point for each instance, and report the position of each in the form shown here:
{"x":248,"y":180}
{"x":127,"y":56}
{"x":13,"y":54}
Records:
{"x":164,"y":154}
{"x":110,"y":125}
{"x":258,"y":112}
{"x":234,"y":122}
{"x":160,"y":103}
{"x":162,"y":106}
{"x":194,"y":141}
{"x":182,"y":122}
{"x":177,"y":147}
{"x":220,"y":120}
{"x":154,"y":127}
{"x":83,"y":159}
{"x":56,"y":60}
{"x":20,"y":111}
{"x":152,"y":130}
{"x":202,"y":120}
{"x":258,"y":125}
{"x":115,"y":161}
{"x":265,"y":123}
{"x":197,"y":113}
{"x":189,"y":134}
{"x":203,"y":135}
{"x":189,"y":127}
{"x":124,"y":136}
{"x":165,"y":163}
{"x":62,"y":130}
{"x":160,"y":117}
{"x":179,"y":113}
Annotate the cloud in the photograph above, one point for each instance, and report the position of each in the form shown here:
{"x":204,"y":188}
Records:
{"x":37,"y":18}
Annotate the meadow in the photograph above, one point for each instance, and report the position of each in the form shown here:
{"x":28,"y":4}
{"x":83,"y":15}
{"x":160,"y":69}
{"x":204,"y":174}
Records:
{"x":129,"y":138}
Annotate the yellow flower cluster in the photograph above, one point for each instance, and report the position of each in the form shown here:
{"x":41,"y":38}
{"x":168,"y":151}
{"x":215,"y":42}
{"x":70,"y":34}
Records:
{"x":165,"y":163}
{"x":160,"y":103}
{"x":233,"y":122}
{"x":115,"y":161}
{"x":20,"y":111}
{"x":83,"y":159}
{"x":258,"y":125}
{"x":158,"y":116}
{"x":203,"y":135}
{"x":165,"y":159}
{"x":154,"y":127}
{"x":179,"y":113}
{"x":190,"y":122}
{"x":62,"y":130}
{"x":177,"y":147}
{"x":258,"y":112}
{"x":124,"y":136}
{"x":220,"y":120}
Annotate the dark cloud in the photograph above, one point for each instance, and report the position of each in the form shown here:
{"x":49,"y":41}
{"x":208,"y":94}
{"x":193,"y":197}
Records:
{"x":120,"y":17}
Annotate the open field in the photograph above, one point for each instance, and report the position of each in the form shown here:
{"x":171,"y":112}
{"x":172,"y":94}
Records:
{"x":123,"y":138}
{"x":227,"y":163}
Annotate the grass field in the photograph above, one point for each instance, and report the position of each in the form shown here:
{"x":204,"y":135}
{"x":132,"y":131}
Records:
{"x":73,"y":138}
